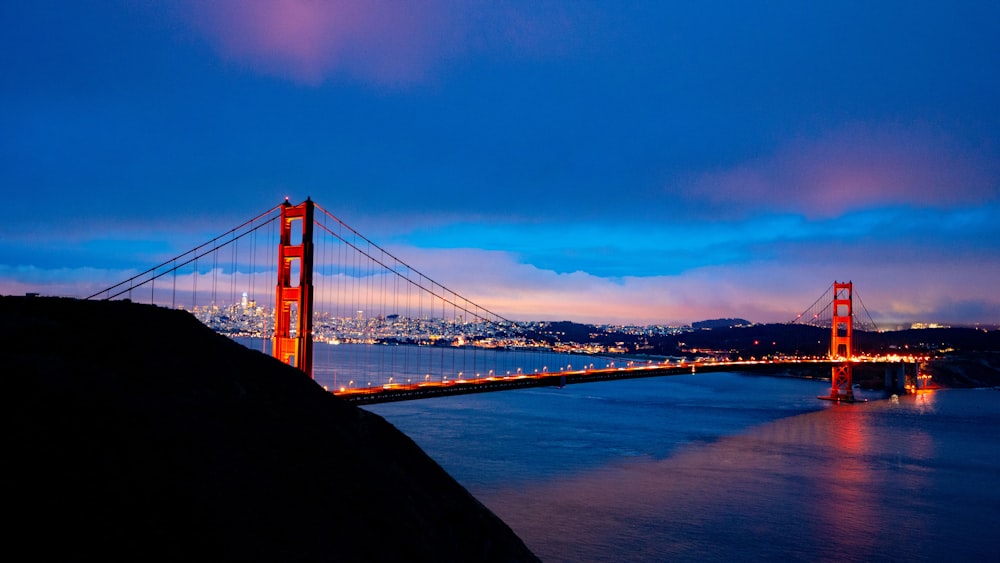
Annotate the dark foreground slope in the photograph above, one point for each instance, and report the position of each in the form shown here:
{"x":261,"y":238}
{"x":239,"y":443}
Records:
{"x":136,"y":432}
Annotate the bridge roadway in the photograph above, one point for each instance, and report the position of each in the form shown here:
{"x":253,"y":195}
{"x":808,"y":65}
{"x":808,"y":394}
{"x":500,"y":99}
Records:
{"x":405,"y":392}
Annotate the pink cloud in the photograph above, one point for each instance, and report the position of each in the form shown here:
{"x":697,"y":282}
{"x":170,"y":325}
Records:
{"x":765,"y":292}
{"x":852,"y":168}
{"x":379,"y":41}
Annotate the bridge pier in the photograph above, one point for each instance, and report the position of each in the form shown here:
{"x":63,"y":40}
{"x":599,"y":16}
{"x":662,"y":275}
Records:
{"x":904,"y":377}
{"x":895,"y":378}
{"x":841,"y":388}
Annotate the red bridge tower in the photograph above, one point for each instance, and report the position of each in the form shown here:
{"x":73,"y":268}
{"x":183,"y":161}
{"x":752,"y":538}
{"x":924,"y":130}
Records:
{"x":294,"y":300}
{"x":842,"y":342}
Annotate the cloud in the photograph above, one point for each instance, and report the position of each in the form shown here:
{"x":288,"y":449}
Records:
{"x":765,"y":291}
{"x":377,"y":41}
{"x":59,"y":282}
{"x":852,"y":168}
{"x":762,"y":291}
{"x":908,"y":264}
{"x":619,"y":249}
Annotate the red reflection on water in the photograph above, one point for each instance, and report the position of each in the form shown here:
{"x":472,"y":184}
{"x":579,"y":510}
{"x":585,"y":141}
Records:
{"x":848,"y":521}
{"x":849,"y":431}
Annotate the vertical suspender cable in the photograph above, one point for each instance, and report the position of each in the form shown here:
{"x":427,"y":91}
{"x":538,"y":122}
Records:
{"x":215,"y":275}
{"x":194,"y":287}
{"x":173,"y":294}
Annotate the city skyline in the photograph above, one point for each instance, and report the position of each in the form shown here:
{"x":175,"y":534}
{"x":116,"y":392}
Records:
{"x":639,"y":164}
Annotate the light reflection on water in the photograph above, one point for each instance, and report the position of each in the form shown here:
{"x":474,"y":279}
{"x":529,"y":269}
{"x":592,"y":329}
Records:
{"x":723,"y":466}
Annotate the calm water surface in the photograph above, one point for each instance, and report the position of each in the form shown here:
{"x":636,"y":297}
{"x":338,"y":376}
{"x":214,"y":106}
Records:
{"x":717,"y":467}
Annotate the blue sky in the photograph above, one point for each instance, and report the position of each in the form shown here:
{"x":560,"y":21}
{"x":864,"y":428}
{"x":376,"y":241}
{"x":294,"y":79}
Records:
{"x":645,"y":162}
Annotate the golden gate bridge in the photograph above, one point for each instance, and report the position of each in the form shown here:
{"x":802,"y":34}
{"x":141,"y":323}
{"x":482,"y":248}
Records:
{"x":298,"y":283}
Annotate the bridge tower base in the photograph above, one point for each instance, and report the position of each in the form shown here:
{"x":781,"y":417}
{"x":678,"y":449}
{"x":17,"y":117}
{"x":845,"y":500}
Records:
{"x":294,"y":297}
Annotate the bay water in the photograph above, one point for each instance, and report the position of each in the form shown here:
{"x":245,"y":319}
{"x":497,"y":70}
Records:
{"x":725,"y":466}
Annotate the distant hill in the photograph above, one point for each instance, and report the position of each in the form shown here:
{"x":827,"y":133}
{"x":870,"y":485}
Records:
{"x":137,"y":433}
{"x":568,"y":331}
{"x":753,"y":341}
{"x":719,"y":323}
{"x":740,"y":338}
{"x":799,"y":339}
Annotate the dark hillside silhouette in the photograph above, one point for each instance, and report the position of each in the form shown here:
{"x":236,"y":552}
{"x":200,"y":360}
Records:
{"x":137,"y":433}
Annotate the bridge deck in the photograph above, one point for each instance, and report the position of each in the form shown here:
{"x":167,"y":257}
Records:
{"x":406,"y":392}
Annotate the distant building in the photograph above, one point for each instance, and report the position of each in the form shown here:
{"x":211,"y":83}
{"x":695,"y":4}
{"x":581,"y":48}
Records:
{"x":928,"y":325}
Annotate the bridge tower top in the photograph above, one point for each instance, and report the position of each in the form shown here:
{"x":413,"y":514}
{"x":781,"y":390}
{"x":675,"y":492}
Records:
{"x":842,"y":331}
